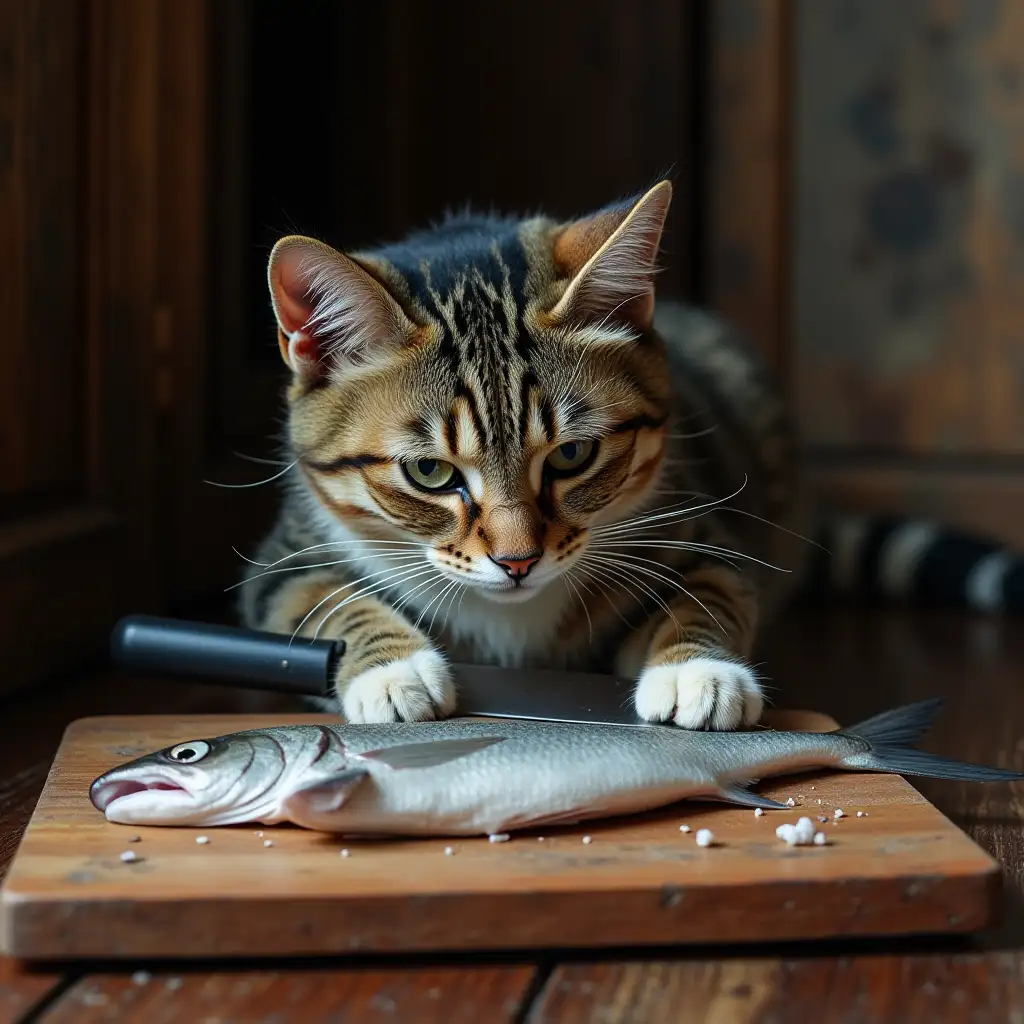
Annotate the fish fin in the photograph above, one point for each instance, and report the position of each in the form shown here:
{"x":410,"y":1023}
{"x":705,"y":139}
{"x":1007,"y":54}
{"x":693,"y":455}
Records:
{"x":323,"y":796}
{"x":427,"y":755}
{"x":891,"y":737}
{"x":738,"y":793}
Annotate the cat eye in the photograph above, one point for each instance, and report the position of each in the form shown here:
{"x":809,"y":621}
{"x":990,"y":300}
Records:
{"x":572,"y":456}
{"x":189,"y":753}
{"x":433,"y":474}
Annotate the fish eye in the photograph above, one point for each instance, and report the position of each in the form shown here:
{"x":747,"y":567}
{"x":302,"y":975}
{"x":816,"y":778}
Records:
{"x":572,"y":456}
{"x":189,"y":753}
{"x":432,"y":474}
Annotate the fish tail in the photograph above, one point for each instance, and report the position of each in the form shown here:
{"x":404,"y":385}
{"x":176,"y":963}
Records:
{"x":893,"y":736}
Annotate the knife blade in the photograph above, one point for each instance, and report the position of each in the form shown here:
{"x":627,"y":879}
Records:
{"x":270,"y":661}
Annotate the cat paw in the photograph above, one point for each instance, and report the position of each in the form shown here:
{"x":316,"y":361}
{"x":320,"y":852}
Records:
{"x":414,"y":689}
{"x":702,"y":693}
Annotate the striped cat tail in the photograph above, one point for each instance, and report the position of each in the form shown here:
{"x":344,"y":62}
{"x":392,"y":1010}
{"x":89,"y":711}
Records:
{"x":915,"y":561}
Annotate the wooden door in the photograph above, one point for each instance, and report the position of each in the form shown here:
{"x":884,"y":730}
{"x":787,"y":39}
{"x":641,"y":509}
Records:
{"x":98,"y":196}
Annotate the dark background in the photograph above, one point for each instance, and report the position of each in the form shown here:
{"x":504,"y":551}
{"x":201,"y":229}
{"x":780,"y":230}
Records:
{"x":849,"y":189}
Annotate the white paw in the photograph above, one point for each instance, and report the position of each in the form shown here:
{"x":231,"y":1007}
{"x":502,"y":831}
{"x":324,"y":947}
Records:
{"x":411,"y":690}
{"x":702,"y":693}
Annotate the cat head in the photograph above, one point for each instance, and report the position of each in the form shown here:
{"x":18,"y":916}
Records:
{"x":491,"y":389}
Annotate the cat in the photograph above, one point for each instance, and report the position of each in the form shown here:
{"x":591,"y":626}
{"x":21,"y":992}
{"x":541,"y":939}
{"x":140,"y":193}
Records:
{"x":503,"y":450}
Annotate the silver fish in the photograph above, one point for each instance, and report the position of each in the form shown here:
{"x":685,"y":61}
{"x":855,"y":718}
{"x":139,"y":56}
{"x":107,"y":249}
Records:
{"x":462,"y":777}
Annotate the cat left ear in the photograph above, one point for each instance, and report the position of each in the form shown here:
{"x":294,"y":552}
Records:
{"x":329,"y":308}
{"x":611,"y":260}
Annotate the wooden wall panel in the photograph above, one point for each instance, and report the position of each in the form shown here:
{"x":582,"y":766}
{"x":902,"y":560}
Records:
{"x":909,"y":226}
{"x":41,"y":68}
{"x":748,"y":247}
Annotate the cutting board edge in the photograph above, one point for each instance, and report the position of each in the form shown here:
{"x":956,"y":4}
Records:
{"x":441,"y":923}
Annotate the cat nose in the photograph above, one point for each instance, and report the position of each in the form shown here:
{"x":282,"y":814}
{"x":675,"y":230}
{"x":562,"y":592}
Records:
{"x":517,"y":567}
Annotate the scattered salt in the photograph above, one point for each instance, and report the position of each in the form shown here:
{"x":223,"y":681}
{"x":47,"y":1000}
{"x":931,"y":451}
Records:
{"x":684,"y":828}
{"x":174,"y":984}
{"x":260,"y":834}
{"x":800,"y":834}
{"x":540,"y":839}
{"x":141,"y":977}
{"x":128,"y":856}
{"x":791,"y":802}
{"x":346,"y":853}
{"x":705,"y":837}
{"x":820,"y":839}
{"x":449,"y":851}
{"x":838,"y":813}
{"x":822,"y":818}
{"x":587,"y":840}
{"x":860,"y":814}
{"x":268,"y":842}
{"x":135,"y":839}
{"x":499,"y":837}
{"x":758,"y":811}
{"x":202,"y":840}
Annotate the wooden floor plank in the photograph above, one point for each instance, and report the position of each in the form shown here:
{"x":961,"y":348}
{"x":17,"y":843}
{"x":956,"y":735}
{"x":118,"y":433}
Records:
{"x":21,"y":990}
{"x":429,"y":995}
{"x":982,"y":988}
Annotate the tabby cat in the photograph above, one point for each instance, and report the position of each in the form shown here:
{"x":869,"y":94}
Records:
{"x":504,"y":452}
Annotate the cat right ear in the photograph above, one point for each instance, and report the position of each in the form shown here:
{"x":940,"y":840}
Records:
{"x":330,"y":310}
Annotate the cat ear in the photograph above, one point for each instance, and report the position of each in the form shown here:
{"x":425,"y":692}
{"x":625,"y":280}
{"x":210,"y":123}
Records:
{"x":610,"y":258}
{"x":329,"y":308}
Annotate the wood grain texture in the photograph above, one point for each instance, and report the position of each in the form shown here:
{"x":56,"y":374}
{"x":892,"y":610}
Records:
{"x":915,"y":989}
{"x":910,"y":174}
{"x":428,"y":995}
{"x":748,"y":173}
{"x":983,"y":500}
{"x":902,"y":870}
{"x":22,"y":989}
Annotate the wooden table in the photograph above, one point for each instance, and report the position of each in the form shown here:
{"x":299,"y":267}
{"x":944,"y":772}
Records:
{"x":848,"y":663}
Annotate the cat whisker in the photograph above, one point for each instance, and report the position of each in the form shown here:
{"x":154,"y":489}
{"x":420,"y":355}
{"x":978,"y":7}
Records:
{"x":460,"y":593}
{"x":694,"y":434}
{"x":609,"y":566}
{"x":346,"y":586}
{"x":604,"y":591}
{"x":374,"y":588}
{"x":256,"y":458}
{"x":629,"y":567}
{"x":317,"y":565}
{"x":258,"y":483}
{"x":644,"y":521}
{"x":384,"y":544}
{"x":707,"y":549}
{"x":569,"y":583}
{"x":439,"y":601}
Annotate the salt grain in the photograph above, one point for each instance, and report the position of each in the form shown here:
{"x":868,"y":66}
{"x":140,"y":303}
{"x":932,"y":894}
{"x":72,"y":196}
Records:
{"x":800,"y":834}
{"x":838,"y":813}
{"x":141,"y":977}
{"x":202,"y":840}
{"x":791,"y":802}
{"x":587,"y":840}
{"x":860,"y":814}
{"x":174,"y":984}
{"x":449,"y":851}
{"x":260,"y":834}
{"x":129,"y":856}
{"x":346,"y":853}
{"x":705,"y":837}
{"x":540,"y":839}
{"x":268,"y":842}
{"x":135,"y":839}
{"x":684,"y":828}
{"x":822,"y":818}
{"x":499,"y":837}
{"x":820,"y":839}
{"x":758,"y":812}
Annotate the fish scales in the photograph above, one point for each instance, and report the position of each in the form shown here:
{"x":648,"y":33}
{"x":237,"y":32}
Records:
{"x":470,"y":777}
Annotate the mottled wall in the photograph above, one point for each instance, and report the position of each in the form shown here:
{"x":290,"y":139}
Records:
{"x":908,"y":213}
{"x":906,"y":289}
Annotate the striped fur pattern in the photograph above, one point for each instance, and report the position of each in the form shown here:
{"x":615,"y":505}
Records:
{"x":505,"y":453}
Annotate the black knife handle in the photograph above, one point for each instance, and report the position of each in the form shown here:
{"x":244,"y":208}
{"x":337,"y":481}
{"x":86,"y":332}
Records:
{"x":242,"y":657}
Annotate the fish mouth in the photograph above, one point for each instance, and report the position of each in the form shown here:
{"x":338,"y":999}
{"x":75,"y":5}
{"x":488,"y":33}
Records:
{"x":104,"y":793}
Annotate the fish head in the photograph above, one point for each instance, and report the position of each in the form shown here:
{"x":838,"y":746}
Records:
{"x":198,"y":782}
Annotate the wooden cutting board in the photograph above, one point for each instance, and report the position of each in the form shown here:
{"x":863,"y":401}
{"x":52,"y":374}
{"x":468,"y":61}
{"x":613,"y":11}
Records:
{"x":901,"y":869}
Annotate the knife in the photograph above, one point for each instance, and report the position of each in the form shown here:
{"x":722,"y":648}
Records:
{"x":271,"y":661}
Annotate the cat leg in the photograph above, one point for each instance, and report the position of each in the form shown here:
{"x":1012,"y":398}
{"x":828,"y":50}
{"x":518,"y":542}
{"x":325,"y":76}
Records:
{"x":691,"y":666}
{"x":389,"y":672}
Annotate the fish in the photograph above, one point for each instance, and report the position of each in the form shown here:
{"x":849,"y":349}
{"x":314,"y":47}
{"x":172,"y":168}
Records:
{"x":462,"y":777}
